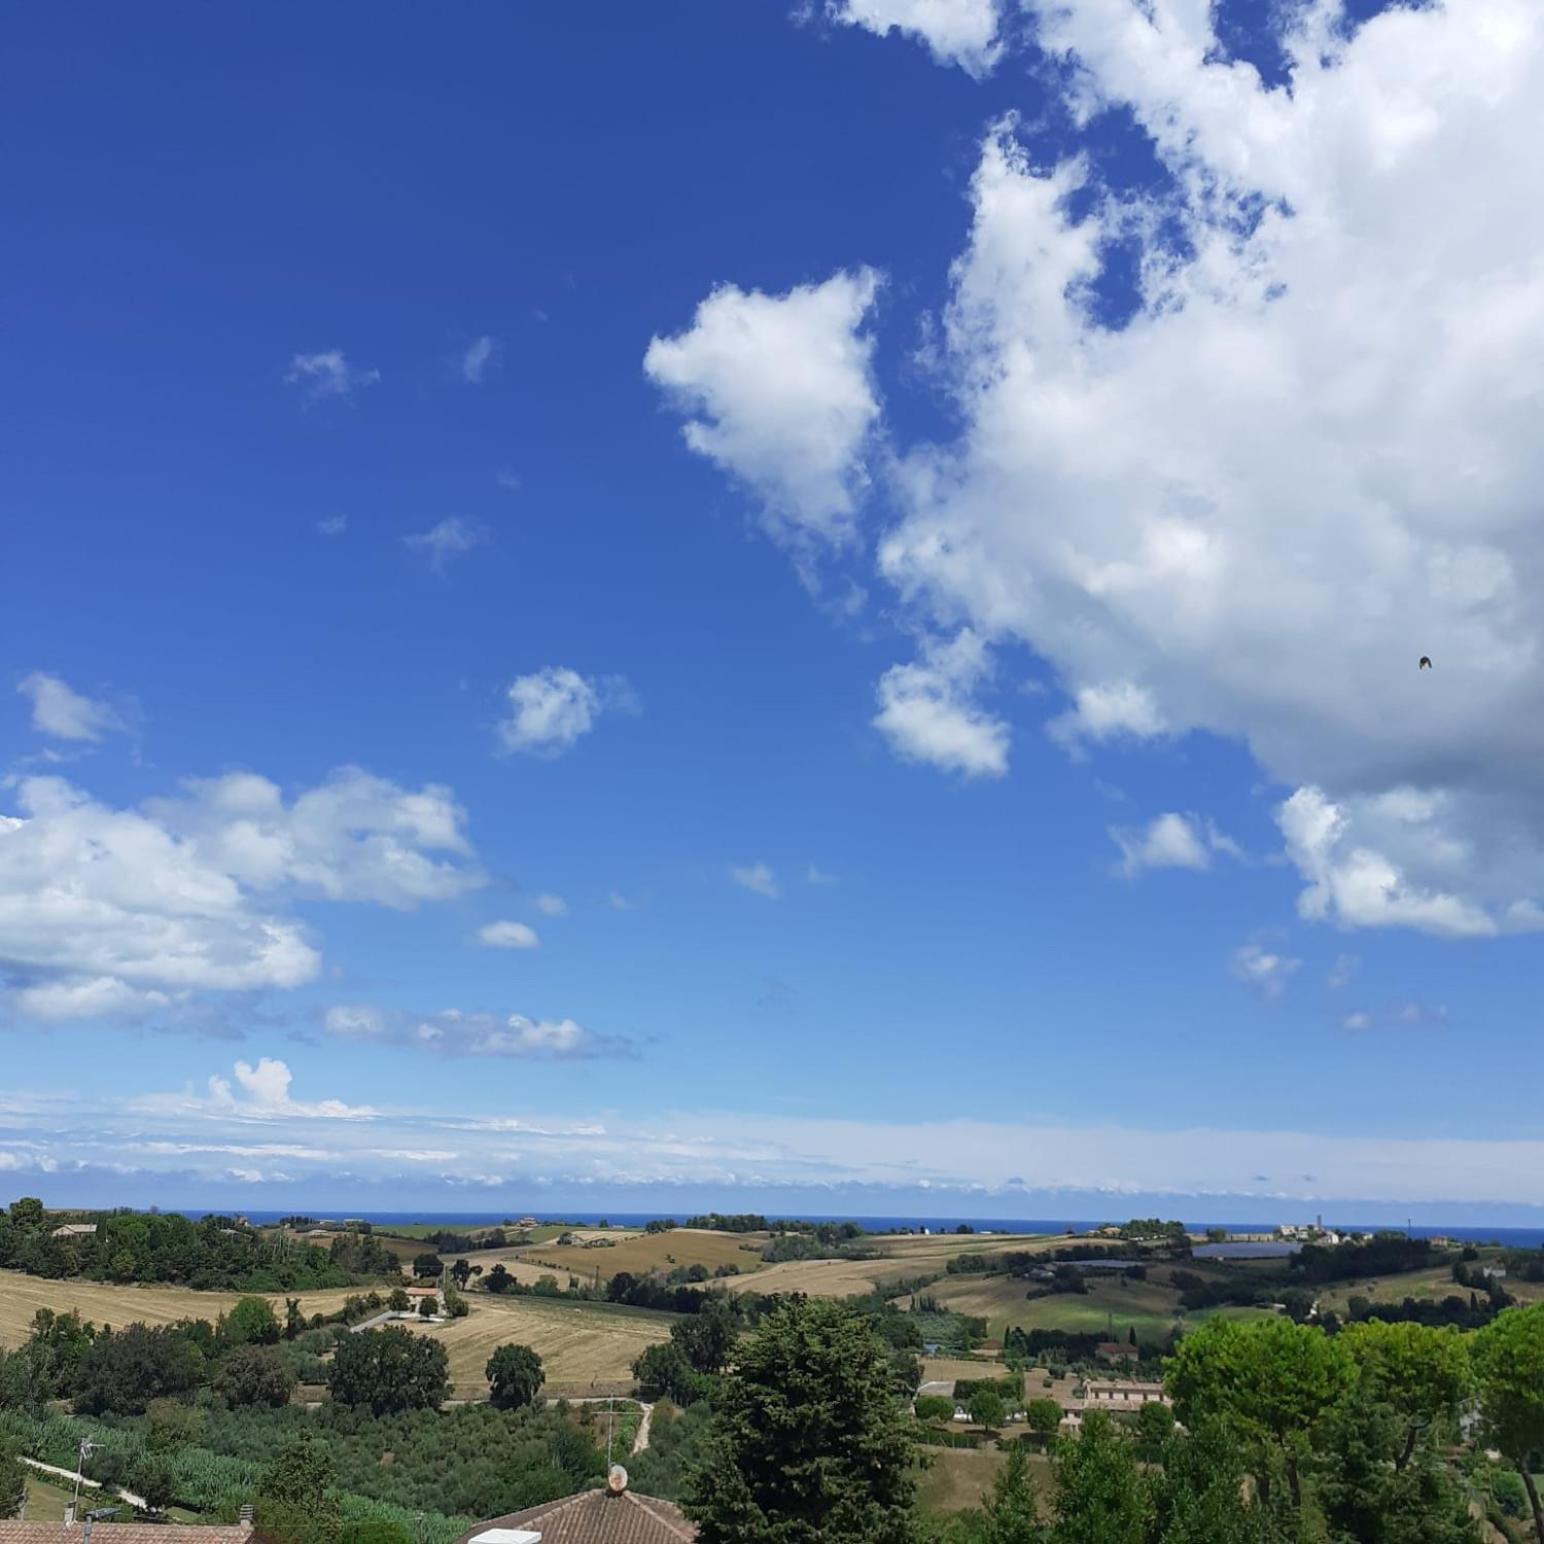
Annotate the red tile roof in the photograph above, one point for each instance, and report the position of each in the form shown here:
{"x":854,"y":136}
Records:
{"x":121,"y":1533}
{"x":594,"y":1517}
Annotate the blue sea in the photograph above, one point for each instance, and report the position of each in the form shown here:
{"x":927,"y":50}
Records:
{"x":1514,"y":1238}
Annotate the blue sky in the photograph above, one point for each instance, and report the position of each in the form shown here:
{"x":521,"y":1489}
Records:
{"x":733,"y":604}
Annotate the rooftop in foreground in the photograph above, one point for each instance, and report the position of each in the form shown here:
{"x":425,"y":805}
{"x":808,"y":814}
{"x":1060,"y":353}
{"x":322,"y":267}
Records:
{"x":592,"y":1517}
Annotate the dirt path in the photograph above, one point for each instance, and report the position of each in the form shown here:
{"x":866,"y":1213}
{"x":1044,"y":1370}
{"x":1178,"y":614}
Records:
{"x":69,"y":1474}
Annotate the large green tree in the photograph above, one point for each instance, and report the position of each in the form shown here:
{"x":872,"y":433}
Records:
{"x":1272,"y":1381}
{"x":1100,"y":1497}
{"x":255,"y":1375}
{"x":1421,"y":1373}
{"x":252,"y":1322}
{"x":514,"y":1377}
{"x":389,"y":1370}
{"x":1509,"y":1360}
{"x":708,"y":1336}
{"x":810,"y":1441}
{"x":121,"y":1373}
{"x":1363,"y":1498}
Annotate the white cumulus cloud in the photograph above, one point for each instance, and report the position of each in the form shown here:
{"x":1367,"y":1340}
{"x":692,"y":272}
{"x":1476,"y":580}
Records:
{"x":927,"y":711}
{"x":551,"y":709}
{"x":962,"y":32}
{"x":110,"y":912}
{"x":780,"y":394}
{"x":1168,"y":841}
{"x":1309,"y":455}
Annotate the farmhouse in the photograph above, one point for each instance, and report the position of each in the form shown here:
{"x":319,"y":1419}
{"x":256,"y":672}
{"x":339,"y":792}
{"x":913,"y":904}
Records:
{"x":615,"y":1515}
{"x":76,"y":1230}
{"x":1116,"y":1394}
{"x":1118,"y":1350}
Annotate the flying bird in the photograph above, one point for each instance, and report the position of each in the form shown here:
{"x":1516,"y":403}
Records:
{"x":1425,"y":663}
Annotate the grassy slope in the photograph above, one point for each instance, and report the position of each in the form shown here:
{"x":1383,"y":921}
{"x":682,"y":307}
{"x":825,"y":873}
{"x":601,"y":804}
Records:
{"x":1150,"y":1306}
{"x":1436,"y":1283}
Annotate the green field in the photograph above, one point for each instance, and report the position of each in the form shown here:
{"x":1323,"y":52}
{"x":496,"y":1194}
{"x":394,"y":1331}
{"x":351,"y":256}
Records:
{"x":1428,"y":1285}
{"x":1151,"y":1307}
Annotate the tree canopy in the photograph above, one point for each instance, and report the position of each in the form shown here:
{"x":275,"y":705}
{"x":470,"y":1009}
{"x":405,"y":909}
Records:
{"x":811,"y":1443}
{"x":388,"y":1370}
{"x":514,"y":1376}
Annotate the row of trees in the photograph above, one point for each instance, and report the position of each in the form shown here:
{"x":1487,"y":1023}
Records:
{"x":216,"y":1253}
{"x":1288,"y":1435}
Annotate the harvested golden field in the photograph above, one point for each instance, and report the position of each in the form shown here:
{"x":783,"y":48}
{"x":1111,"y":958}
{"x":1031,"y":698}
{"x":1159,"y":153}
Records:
{"x":639,"y":1253}
{"x":21,"y":1296}
{"x":905,"y":1257}
{"x":581,"y":1346}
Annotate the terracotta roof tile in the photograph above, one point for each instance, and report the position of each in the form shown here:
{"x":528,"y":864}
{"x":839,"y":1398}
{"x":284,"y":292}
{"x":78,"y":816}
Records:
{"x":120,"y":1533}
{"x":594,"y":1517}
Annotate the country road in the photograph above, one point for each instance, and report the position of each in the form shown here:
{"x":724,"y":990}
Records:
{"x":69,"y":1474}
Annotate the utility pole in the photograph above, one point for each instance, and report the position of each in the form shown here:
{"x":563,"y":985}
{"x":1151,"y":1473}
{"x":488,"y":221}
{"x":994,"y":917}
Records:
{"x":80,"y":1464}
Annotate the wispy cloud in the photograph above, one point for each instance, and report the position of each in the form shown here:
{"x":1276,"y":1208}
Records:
{"x":332,"y":525}
{"x":328,"y":375}
{"x":552,"y":905}
{"x":758,"y":879}
{"x":64,"y":714}
{"x":480,"y":357}
{"x":818,"y":876}
{"x":453,"y":1033}
{"x":1265,"y":970}
{"x":447,"y":540}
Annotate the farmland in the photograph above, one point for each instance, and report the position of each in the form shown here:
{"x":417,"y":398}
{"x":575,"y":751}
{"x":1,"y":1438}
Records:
{"x":636,"y":1252}
{"x":1149,"y":1306}
{"x":1432,"y":1284}
{"x":903,"y":1259}
{"x":21,"y":1296}
{"x":585,"y":1348}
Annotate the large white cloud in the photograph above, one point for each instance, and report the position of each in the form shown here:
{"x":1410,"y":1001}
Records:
{"x":780,"y":393}
{"x":962,"y":32}
{"x":1311,"y":456}
{"x":116,"y":912}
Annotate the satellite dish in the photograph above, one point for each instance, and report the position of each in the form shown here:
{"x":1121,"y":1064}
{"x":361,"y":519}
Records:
{"x":616,"y":1479}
